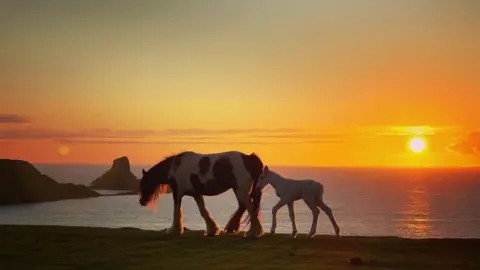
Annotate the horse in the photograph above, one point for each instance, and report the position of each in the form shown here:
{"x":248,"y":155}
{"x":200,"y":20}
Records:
{"x":197,"y":175}
{"x":289,"y":191}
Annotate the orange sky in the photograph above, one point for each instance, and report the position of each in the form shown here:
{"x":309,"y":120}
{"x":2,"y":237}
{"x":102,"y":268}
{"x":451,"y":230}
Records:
{"x":313,"y":83}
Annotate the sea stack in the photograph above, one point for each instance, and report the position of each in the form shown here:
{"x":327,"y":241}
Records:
{"x":118,"y":177}
{"x":21,"y":182}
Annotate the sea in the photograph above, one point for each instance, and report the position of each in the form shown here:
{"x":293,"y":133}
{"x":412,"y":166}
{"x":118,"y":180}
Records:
{"x":409,"y":203}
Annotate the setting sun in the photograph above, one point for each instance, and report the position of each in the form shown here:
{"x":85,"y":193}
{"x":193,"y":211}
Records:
{"x":417,"y":145}
{"x":64,"y":150}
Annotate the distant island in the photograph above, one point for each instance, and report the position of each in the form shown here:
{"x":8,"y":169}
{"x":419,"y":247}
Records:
{"x":21,"y":182}
{"x":118,"y":177}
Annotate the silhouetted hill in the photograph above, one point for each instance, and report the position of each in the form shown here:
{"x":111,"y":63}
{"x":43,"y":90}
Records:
{"x":21,"y":182}
{"x":118,"y":177}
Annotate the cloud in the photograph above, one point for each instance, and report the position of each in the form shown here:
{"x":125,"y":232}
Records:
{"x":225,"y":131}
{"x":406,"y":130}
{"x":174,"y":142}
{"x":301,"y":135}
{"x":13,"y":119}
{"x":467,"y":146}
{"x":105,"y":133}
{"x":172,"y":136}
{"x":41,"y":134}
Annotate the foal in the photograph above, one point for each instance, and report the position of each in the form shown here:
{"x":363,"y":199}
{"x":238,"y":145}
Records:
{"x":289,"y":191}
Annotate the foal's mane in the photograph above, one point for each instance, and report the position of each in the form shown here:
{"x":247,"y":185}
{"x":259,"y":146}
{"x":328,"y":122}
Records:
{"x":275,"y":175}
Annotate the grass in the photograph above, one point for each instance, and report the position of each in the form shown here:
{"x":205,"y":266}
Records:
{"x":57,"y":247}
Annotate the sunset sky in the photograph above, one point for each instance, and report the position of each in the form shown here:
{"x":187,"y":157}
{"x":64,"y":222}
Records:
{"x":313,"y":83}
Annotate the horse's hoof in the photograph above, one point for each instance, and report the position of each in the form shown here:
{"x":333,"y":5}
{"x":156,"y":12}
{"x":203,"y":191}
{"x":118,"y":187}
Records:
{"x":294,"y":235}
{"x":173,"y":231}
{"x":214,"y":233}
{"x":250,"y":235}
{"x":232,"y":232}
{"x":337,"y":232}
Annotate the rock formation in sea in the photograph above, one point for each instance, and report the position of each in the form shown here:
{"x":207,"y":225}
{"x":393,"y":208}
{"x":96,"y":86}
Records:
{"x":21,"y":182}
{"x":118,"y":177}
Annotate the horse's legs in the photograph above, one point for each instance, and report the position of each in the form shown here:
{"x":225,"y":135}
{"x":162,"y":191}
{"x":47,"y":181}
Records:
{"x":256,"y":229}
{"x":291,"y":212}
{"x":212,"y":227}
{"x":315,"y":212}
{"x":233,"y":224}
{"x":177,"y":225}
{"x":275,"y":209}
{"x":329,"y":213}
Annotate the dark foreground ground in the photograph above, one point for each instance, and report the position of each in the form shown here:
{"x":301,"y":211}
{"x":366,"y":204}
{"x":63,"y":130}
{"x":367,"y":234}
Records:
{"x":52,"y":247}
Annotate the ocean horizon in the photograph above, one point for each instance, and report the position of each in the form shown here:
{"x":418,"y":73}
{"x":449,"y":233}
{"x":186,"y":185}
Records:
{"x":367,"y":201}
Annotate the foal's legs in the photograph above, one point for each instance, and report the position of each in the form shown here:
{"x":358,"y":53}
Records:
{"x":291,"y":212}
{"x":275,"y":209}
{"x":212,"y":227}
{"x":315,"y":212}
{"x":329,"y":213}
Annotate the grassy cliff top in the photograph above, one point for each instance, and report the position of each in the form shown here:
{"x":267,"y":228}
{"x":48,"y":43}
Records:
{"x":54,"y":247}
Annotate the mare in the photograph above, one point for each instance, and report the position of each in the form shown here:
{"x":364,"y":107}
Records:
{"x":289,"y":191}
{"x":198,"y":175}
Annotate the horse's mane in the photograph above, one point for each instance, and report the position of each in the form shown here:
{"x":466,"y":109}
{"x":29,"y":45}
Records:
{"x":162,"y":167}
{"x":162,"y":162}
{"x":161,"y":189}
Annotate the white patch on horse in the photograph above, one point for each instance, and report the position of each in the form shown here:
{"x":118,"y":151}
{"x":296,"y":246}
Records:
{"x":190,"y":166}
{"x":289,"y":191}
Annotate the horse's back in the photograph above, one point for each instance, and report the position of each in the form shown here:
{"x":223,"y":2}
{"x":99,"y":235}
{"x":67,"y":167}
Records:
{"x":219,"y":171}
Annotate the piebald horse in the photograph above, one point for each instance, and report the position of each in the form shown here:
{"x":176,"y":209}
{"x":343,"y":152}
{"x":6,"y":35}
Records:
{"x":197,"y":175}
{"x":289,"y":191}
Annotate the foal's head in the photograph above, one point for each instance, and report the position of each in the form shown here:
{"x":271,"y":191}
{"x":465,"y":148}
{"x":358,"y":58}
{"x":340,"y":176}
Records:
{"x":264,"y":178}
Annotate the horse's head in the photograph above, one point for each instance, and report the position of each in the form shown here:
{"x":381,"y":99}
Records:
{"x":152,"y":184}
{"x":147,"y":188}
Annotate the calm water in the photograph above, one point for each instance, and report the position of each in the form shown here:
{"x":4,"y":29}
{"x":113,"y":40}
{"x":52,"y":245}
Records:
{"x":395,"y":202}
